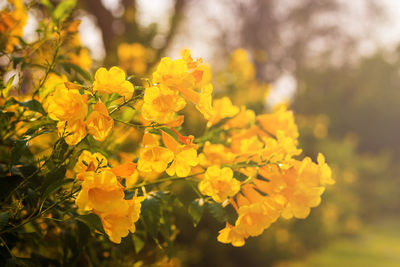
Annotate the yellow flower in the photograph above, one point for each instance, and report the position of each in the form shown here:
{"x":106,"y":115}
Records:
{"x":185,"y":158}
{"x":132,"y":57}
{"x":173,"y":74}
{"x":127,"y":171}
{"x":254,"y":218}
{"x":204,"y":103}
{"x":99,"y":123}
{"x":219,"y":183}
{"x":53,"y":80}
{"x":223,"y":109}
{"x":280,"y":120}
{"x":243,"y":119}
{"x":112,"y":81}
{"x":82,"y":59}
{"x":90,"y":162}
{"x":120,"y":221}
{"x":241,"y":66}
{"x":12,"y":24}
{"x":101,"y":192}
{"x":64,"y":104}
{"x":161,"y":103}
{"x":153,"y":157}
{"x":230,"y":235}
{"x":215,"y":154}
{"x":73,"y":131}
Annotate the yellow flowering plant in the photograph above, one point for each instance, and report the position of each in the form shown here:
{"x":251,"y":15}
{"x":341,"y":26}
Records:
{"x":117,"y":154}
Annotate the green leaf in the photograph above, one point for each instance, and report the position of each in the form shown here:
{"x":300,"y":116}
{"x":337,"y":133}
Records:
{"x":8,"y":183}
{"x":170,"y":132}
{"x":4,"y":216}
{"x":33,"y":105}
{"x":82,"y":72}
{"x":217,"y":211}
{"x":151,"y":215}
{"x":60,"y":148}
{"x":239,"y":176}
{"x":11,"y":101}
{"x":63,"y":10}
{"x":83,"y":234}
{"x":53,"y":181}
{"x":19,"y":148}
{"x":91,"y":220}
{"x":55,"y":186}
{"x":196,"y":209}
{"x":7,"y":87}
{"x":138,"y":242}
{"x":47,"y":4}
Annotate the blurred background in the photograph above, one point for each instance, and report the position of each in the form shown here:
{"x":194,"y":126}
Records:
{"x":335,"y":62}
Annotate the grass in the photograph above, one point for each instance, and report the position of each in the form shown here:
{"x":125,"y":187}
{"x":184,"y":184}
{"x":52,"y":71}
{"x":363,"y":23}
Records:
{"x":376,"y":246}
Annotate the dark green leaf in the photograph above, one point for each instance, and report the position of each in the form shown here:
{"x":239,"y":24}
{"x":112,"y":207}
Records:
{"x":91,"y":220}
{"x":151,"y":214}
{"x":138,"y":242}
{"x":82,"y":72}
{"x":196,"y":209}
{"x":217,"y":211}
{"x":4,"y":216}
{"x":8,"y":184}
{"x":239,"y":176}
{"x":53,"y":181}
{"x":83,"y":234}
{"x":55,"y":186}
{"x":33,"y":105}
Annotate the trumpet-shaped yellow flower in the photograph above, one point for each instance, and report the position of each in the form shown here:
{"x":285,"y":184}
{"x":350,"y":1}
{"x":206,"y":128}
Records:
{"x":219,"y":183}
{"x":153,"y":158}
{"x":73,"y":131}
{"x":99,"y":123}
{"x":101,"y":192}
{"x":120,"y":221}
{"x":53,"y":80}
{"x":185,"y":156}
{"x":280,"y":120}
{"x":127,"y":171}
{"x":65,"y":105}
{"x":90,"y":162}
{"x":223,"y":109}
{"x":173,"y":74}
{"x":161,"y":103}
{"x":256,"y":217}
{"x":229,"y":235}
{"x":215,"y":154}
{"x":112,"y":81}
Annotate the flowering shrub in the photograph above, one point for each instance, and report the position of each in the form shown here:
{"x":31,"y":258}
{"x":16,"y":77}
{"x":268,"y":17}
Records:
{"x":86,"y":161}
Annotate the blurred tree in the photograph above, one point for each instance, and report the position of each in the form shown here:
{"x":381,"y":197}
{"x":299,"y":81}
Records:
{"x":118,"y":28}
{"x":282,"y":36}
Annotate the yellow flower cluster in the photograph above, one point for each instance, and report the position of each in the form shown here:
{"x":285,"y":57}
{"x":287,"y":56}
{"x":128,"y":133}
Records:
{"x":133,"y":57}
{"x":251,"y":167}
{"x":12,"y":24}
{"x":68,"y":106}
{"x":103,"y":194}
{"x":175,"y":82}
{"x":260,"y":148}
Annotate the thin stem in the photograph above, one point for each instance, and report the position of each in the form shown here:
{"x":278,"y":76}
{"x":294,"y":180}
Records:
{"x":50,"y":67}
{"x":163,"y":180}
{"x":140,"y":126}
